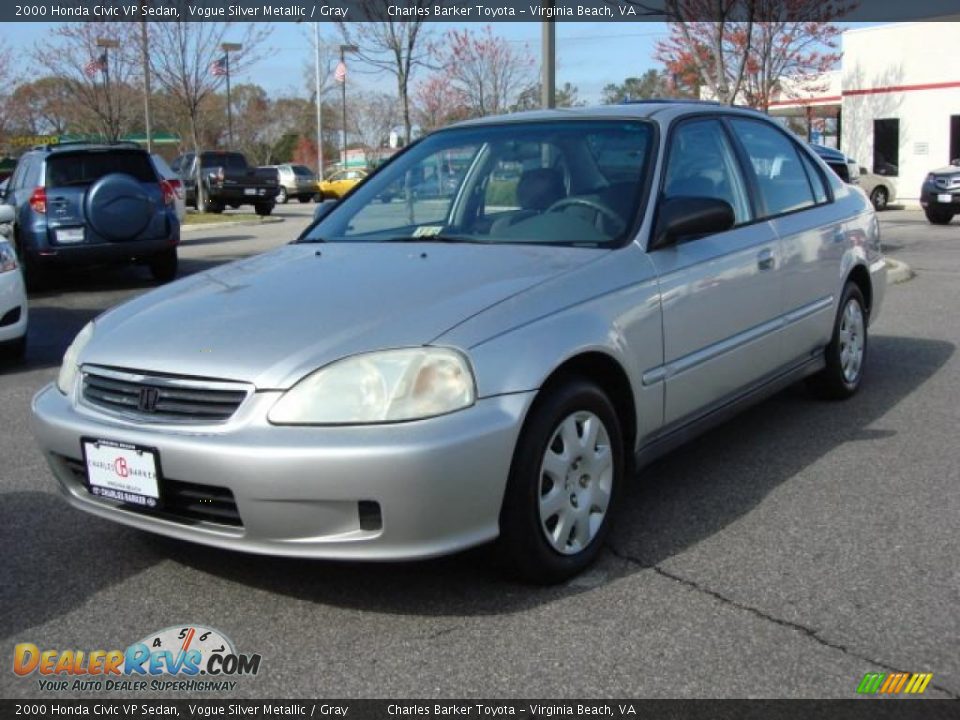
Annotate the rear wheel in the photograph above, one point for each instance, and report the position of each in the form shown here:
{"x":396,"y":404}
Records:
{"x":214,"y":206}
{"x":263,"y":209}
{"x":879,"y":197}
{"x":847,"y":352}
{"x":563,"y":485}
{"x":938,"y":216}
{"x":163,"y":266}
{"x":282,"y":196}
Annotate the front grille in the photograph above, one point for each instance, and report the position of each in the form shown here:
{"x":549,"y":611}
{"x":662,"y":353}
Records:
{"x":180,"y":501}
{"x":155,"y":398}
{"x":947,"y":182}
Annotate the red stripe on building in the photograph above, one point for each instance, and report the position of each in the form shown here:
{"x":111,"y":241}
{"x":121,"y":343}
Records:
{"x":903,"y":88}
{"x":807,"y":101}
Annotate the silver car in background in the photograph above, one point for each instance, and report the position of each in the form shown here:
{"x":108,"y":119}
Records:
{"x":296,"y":181}
{"x":412,"y":378}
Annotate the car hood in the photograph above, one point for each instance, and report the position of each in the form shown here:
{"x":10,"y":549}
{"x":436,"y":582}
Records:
{"x":273,"y":318}
{"x":948,"y":170}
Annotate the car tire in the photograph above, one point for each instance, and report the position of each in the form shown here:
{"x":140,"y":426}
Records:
{"x":846,"y":355}
{"x":546,"y":535}
{"x":215,"y":207}
{"x":14,"y":350}
{"x":263,"y":209}
{"x":235,"y":206}
{"x":303,"y":199}
{"x":163,"y":266}
{"x":318,"y":197}
{"x":879,"y":198}
{"x":938,"y":216}
{"x":282,"y":196}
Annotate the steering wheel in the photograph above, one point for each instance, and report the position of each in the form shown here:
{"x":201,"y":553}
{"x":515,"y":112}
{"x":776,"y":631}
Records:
{"x":601,"y":210}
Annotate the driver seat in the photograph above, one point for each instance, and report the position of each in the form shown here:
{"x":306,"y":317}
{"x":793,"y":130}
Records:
{"x":537,"y":190}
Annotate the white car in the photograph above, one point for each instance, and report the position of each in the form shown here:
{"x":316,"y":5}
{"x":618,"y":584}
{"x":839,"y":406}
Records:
{"x":175,"y":183}
{"x":13,"y":295}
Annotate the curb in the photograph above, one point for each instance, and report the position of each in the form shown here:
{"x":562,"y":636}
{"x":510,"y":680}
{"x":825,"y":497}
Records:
{"x":235,"y":223}
{"x":897,"y":272}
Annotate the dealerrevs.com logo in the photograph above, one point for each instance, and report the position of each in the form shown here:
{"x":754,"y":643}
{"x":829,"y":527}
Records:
{"x":185,"y":658}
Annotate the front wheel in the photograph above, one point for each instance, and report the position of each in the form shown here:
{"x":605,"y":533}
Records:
{"x":938,"y":216}
{"x":282,"y":196}
{"x":564,"y":481}
{"x":847,"y":352}
{"x":263,"y":209}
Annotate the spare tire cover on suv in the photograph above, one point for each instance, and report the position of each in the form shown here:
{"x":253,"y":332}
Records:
{"x":118,"y":207}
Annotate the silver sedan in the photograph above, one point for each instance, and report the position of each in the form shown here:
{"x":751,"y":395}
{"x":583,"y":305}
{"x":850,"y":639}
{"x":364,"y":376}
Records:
{"x":416,"y":376}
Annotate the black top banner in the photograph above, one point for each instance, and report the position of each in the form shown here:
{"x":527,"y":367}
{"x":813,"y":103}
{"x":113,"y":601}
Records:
{"x":480,"y":11}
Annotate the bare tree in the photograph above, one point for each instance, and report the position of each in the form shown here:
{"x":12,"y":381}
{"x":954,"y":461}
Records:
{"x":181,"y":59}
{"x":373,"y":115}
{"x":398,"y":48}
{"x":42,"y":107}
{"x":99,"y":80}
{"x":487,"y":71}
{"x":8,"y":85}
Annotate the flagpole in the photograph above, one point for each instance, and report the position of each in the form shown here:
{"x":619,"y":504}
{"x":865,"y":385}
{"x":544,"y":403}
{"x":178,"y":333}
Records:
{"x":343,"y":96}
{"x":227,"y":47}
{"x":316,"y":60}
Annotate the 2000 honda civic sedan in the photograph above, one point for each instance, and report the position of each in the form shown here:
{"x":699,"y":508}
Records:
{"x":414,"y":377}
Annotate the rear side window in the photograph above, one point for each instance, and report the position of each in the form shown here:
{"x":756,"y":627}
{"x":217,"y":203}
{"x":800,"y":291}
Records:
{"x":302,"y":170}
{"x":230,"y":161}
{"x":86,"y":168}
{"x":816,"y":179}
{"x":780,"y":176}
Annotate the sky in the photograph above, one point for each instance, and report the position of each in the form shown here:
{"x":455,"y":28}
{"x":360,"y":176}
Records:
{"x":589,"y":55}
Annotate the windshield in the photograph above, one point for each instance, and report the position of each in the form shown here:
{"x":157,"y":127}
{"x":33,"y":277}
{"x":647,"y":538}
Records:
{"x":572,"y":182}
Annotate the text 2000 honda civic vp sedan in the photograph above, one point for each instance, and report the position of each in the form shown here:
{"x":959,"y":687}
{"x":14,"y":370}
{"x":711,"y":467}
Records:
{"x":416,"y":376}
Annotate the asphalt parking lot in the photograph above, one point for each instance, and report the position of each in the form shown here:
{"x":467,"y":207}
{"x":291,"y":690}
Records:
{"x":784,"y":554}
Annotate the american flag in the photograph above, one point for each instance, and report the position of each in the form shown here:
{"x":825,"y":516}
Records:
{"x":340,"y":74}
{"x":218,"y":68}
{"x":96,"y":65}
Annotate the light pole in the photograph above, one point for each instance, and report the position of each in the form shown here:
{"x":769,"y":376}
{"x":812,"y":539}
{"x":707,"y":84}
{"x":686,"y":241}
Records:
{"x":145,"y":56}
{"x":106,"y":44}
{"x":316,"y":64}
{"x":344,"y":49}
{"x":548,"y":54}
{"x":227,"y":48}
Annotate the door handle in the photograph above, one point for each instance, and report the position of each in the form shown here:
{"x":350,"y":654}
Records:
{"x":765,"y":260}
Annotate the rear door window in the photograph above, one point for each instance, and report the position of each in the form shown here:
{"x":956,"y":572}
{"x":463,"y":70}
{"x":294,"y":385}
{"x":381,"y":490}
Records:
{"x":66,"y":169}
{"x":783,"y":183}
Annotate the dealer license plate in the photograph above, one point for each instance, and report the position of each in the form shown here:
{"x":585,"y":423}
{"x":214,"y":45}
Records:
{"x":122,"y":472}
{"x":249,"y":191}
{"x":70,"y":235}
{"x":944,"y":198}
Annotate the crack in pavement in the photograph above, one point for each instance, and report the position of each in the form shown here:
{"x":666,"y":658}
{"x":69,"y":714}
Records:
{"x":789,"y":624}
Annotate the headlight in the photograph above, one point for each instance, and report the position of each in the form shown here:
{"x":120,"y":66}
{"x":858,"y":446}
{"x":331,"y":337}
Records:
{"x":931,"y":177}
{"x":68,"y":371}
{"x":388,"y":386}
{"x":8,"y":257}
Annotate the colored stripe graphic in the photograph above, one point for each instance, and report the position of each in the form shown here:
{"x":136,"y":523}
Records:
{"x":894,"y":683}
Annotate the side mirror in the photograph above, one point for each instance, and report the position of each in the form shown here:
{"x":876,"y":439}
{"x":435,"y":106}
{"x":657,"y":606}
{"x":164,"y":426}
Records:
{"x":323,"y":209}
{"x":683,"y":217}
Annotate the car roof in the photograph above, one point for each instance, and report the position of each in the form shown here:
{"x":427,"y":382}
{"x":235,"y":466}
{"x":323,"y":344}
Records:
{"x":661,"y":109}
{"x":80,"y":146}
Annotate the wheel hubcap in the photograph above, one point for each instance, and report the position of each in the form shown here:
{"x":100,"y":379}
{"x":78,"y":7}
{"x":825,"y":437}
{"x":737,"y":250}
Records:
{"x":851,"y":341}
{"x":576,"y":477}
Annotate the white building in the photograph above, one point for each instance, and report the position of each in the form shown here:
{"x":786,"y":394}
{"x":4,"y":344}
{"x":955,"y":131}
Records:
{"x":894,"y":105}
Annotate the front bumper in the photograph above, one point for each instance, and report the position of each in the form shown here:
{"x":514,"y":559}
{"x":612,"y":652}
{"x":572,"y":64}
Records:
{"x":936,"y":199}
{"x":13,"y":324}
{"x":438,"y":483}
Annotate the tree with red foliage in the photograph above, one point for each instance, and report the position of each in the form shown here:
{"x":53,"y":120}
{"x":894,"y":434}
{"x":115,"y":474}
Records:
{"x":747,"y":47}
{"x":486,"y":70}
{"x":438,"y":103}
